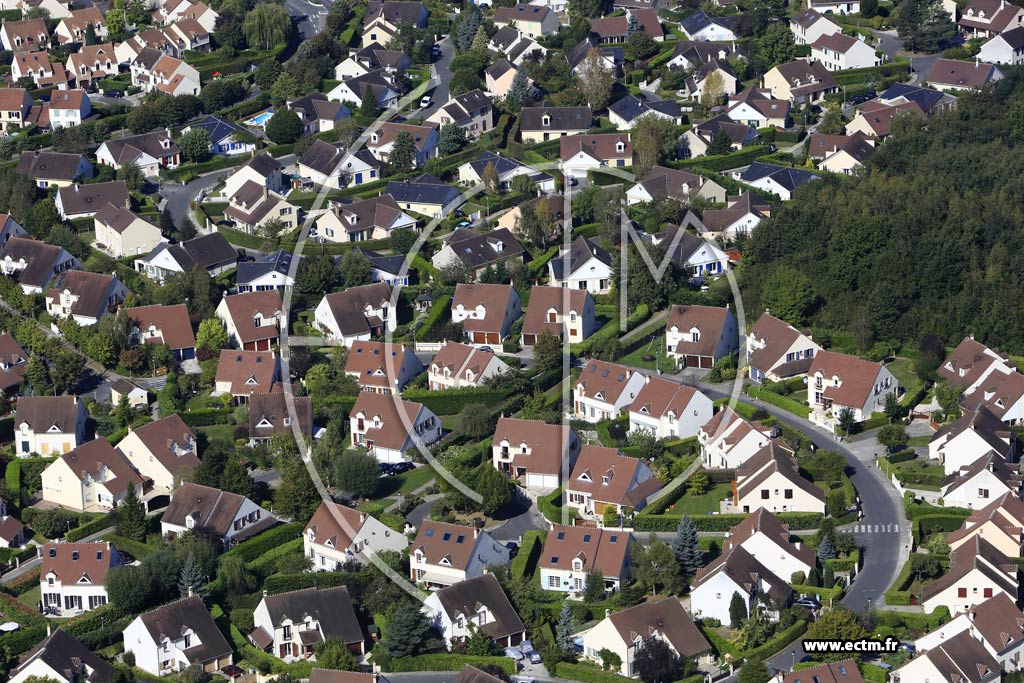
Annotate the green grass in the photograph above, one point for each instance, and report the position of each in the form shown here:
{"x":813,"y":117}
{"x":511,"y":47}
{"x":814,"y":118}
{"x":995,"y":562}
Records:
{"x":405,"y":483}
{"x":655,"y":350}
{"x":903,"y":369}
{"x":705,"y":503}
{"x":31,"y":598}
{"x":218,"y":432}
{"x":920,"y":441}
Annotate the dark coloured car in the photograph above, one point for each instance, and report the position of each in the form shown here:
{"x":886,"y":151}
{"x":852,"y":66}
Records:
{"x":232,"y":671}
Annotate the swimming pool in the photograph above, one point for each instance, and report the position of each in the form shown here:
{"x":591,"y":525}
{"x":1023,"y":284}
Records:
{"x":261,"y":118}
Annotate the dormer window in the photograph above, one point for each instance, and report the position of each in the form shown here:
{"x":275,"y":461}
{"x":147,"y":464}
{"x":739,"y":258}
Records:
{"x":620,"y":147}
{"x":545,"y":120}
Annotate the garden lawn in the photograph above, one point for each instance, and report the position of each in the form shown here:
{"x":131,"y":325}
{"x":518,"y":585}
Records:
{"x":917,"y":473}
{"x":218,"y":432}
{"x":654,"y":351}
{"x":31,"y":598}
{"x":405,"y":483}
{"x":903,"y":369}
{"x":705,"y":503}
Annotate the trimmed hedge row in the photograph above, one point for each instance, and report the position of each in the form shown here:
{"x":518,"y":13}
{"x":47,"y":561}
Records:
{"x":669,"y":522}
{"x":435,"y":316}
{"x":918,"y":511}
{"x":724,"y":162}
{"x":823,"y":593}
{"x":133,"y":547}
{"x":284,"y":583}
{"x":205,"y":417}
{"x":25,"y":639}
{"x":777,"y":400}
{"x":268,"y":559}
{"x":930,"y":524}
{"x":445,"y":662}
{"x":13,"y":479}
{"x":589,"y":673}
{"x":88,"y":529}
{"x":778,"y":642}
{"x":252,"y":548}
{"x":529,"y":553}
{"x":877,"y":73}
{"x":452,"y":401}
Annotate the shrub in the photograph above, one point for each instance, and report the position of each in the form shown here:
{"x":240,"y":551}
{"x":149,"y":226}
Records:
{"x":88,"y":529}
{"x":447,"y":662}
{"x":254,"y":547}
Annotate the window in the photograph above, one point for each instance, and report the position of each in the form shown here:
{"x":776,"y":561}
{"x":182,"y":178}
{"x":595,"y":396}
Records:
{"x":988,"y":592}
{"x":961,"y":593}
{"x":286,"y":632}
{"x":789,"y":494}
{"x":764,"y":494}
{"x":554,"y":582}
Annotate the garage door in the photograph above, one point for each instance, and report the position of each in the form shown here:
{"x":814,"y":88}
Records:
{"x":706,"y":362}
{"x":692,"y":362}
{"x":479,"y":338}
{"x":493,"y":338}
{"x":529,"y":339}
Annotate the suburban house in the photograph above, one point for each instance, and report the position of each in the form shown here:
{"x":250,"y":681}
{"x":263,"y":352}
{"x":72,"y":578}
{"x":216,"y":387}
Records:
{"x":988,"y":18}
{"x":604,"y":478}
{"x":537,"y":124}
{"x":808,"y":25}
{"x":458,"y":365}
{"x":382,"y":367}
{"x":486,"y":312}
{"x":728,"y":440}
{"x":837,"y":381}
{"x":756,"y":108}
{"x":381,"y":85}
{"x":1002,"y":393}
{"x":227,"y":138}
{"x":534,"y":453}
{"x":48,"y":425}
{"x":91,"y":478}
{"x":617,"y":29}
{"x":669,"y":410}
{"x":737,"y":572}
{"x":534,"y":21}
{"x":626,"y":632}
{"x":771,"y":480}
{"x":843,"y":671}
{"x":571,"y":552}
{"x":764,"y":537}
{"x":741,"y":215}
{"x":262,"y":169}
{"x":269,"y":416}
{"x":175,"y":636}
{"x":836,"y":6}
{"x":1001,"y":523}
{"x":226,"y":516}
{"x":253,"y":207}
{"x":625,"y":113}
{"x":953,"y":74}
{"x":62,"y":658}
{"x":611,"y":58}
{"x":120,"y":232}
{"x":477,"y":252}
{"x":372,"y":58}
{"x":331,"y":165}
{"x":777,"y":351}
{"x":424,"y":138}
{"x":838,"y":52}
{"x":391,"y":270}
{"x":36,"y":67}
{"x":499,"y":77}
{"x":581,"y":154}
{"x":15,"y":105}
{"x":270,"y":272}
{"x":290,"y":625}
{"x":959,"y":657}
{"x":566,"y":313}
{"x":800,"y":81}
{"x":89,"y":65}
{"x":167,"y":325}
{"x":700,"y":137}
{"x":662,"y":182}
{"x":162,"y":451}
{"x":252,"y":319}
{"x":975,"y":485}
{"x":53,"y":169}
{"x":75,"y":26}
{"x":840,"y":153}
{"x":72,"y":575}
{"x":694,"y":254}
{"x":149,"y":151}
{"x":34,"y":263}
{"x":13,"y":362}
{"x":515,"y":47}
{"x":1005,"y":48}
{"x":154,"y":70}
{"x":363,"y":219}
{"x":976,"y":434}
{"x":977,"y":572}
{"x":875,"y":117}
{"x":782,"y":181}
{"x":506,"y":168}
{"x":690,"y":54}
{"x":389,"y":428}
{"x":84,"y":297}
{"x":542,"y":206}
{"x":68,"y":108}
{"x":358,"y":313}
{"x":604,"y":390}
{"x":584,"y":265}
{"x":996,"y":623}
{"x":83,"y":201}
{"x":387,"y":16}
{"x":317,"y":113}
{"x":129,"y":392}
{"x":444,"y":554}
{"x":479,"y":603}
{"x":698,"y":336}
{"x":337,"y":535}
{"x":243,"y":373}
{"x":705,"y":27}
{"x":425,"y":195}
{"x":27,"y":35}
{"x":471,"y":111}
{"x":12,"y":531}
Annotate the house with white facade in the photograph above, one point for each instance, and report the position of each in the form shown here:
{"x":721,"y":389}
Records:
{"x":382,"y":367}
{"x":997,"y":624}
{"x":163,"y":451}
{"x":838,"y":52}
{"x":669,"y":410}
{"x":777,"y":351}
{"x":764,"y":537}
{"x":838,"y":381}
{"x":582,"y":265}
{"x":444,"y":554}
{"x":698,"y":336}
{"x":479,"y":603}
{"x":977,"y":572}
{"x":979,"y":483}
{"x":808,"y":25}
{"x":48,"y":425}
{"x":533,"y":452}
{"x":959,"y":657}
{"x":571,"y":553}
{"x":338,"y":535}
{"x":771,"y":480}
{"x":566,"y":313}
{"x":1001,"y":523}
{"x":358,"y":313}
{"x":378,"y":423}
{"x":604,"y":390}
{"x":63,"y":659}
{"x":223,"y":515}
{"x":175,"y":636}
{"x":977,"y":434}
{"x":459,"y":365}
{"x":737,"y":572}
{"x":728,"y":440}
{"x":91,"y":478}
{"x":291,"y":625}
{"x":72,"y":575}
{"x":605,"y":478}
{"x":1004,"y":48}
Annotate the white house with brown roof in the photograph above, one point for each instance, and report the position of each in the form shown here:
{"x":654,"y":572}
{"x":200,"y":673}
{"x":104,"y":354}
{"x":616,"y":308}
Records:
{"x":580,"y":154}
{"x":177,"y":635}
{"x":164,"y":73}
{"x":37,"y":67}
{"x":72,"y":575}
{"x":486,"y":312}
{"x":26,"y":35}
{"x":764,"y":537}
{"x":252,"y":319}
{"x":356,"y":314}
{"x":625,"y":633}
{"x":63,"y":659}
{"x":120,"y":232}
{"x":978,"y":433}
{"x":837,"y":381}
{"x":728,"y":440}
{"x":149,"y":151}
{"x":566,"y":313}
{"x":168,"y":325}
{"x":337,"y":535}
{"x":243,"y":373}
{"x":533,"y":452}
{"x":808,"y":25}
{"x":777,"y":351}
{"x":382,"y":367}
{"x":444,"y":554}
{"x":538,"y":124}
{"x":975,"y":485}
{"x":424,"y":139}
{"x":604,"y":390}
{"x":459,"y":610}
{"x":754,"y":107}
{"x":48,"y":425}
{"x":669,"y":410}
{"x":1001,"y":523}
{"x":839,"y":52}
{"x":388,"y":427}
{"x":253,"y":207}
{"x":997,"y":624}
{"x":582,"y":265}
{"x":460,"y":365}
{"x":953,"y":74}
{"x":222,"y":515}
{"x":698,"y":336}
{"x":471,"y":111}
{"x":93,"y":477}
{"x":987,"y":18}
{"x":162,"y":451}
{"x":74,"y":27}
{"x":291,"y":625}
{"x":977,"y":572}
{"x":84,"y":296}
{"x":15,"y":104}
{"x":771,"y":480}
{"x":571,"y":552}
{"x":68,"y":108}
{"x":737,"y":572}
{"x":605,"y":478}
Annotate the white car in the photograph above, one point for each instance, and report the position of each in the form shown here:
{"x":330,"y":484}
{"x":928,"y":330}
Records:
{"x":425,"y":102}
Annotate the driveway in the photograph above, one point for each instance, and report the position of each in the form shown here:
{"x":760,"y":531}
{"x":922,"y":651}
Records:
{"x":443,"y":71}
{"x":890,"y":44}
{"x":180,"y":197}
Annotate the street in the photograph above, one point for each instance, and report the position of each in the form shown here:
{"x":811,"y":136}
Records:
{"x":180,"y":197}
{"x":309,"y":16}
{"x":439,"y":96}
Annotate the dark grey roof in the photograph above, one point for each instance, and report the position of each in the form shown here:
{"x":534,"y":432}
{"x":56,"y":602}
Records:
{"x":172,"y":619}
{"x":49,"y":165}
{"x":700,"y":20}
{"x":65,"y":655}
{"x":739,"y":133}
{"x":424,"y":189}
{"x":40,"y":259}
{"x":219,"y":129}
{"x":331,"y":607}
{"x":386,"y":264}
{"x":581,"y":251}
{"x":787,"y":177}
{"x":502,"y":164}
{"x":478,"y":250}
{"x":264,"y":164}
{"x":561,"y":118}
{"x":467,"y":597}
{"x":505,"y":37}
{"x":576,"y":55}
{"x":81,"y":199}
{"x":926,"y":98}
{"x":279,"y":261}
{"x":210,"y":250}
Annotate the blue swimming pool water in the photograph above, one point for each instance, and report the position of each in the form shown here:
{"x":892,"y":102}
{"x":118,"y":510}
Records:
{"x":261,"y":119}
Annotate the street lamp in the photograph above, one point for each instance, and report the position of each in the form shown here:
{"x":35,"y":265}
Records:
{"x":793,"y":654}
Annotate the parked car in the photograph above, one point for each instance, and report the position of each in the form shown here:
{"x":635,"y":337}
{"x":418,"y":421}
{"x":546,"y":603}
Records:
{"x":534,"y":657}
{"x":425,"y":102}
{"x":514,"y":653}
{"x":463,"y":224}
{"x":399,"y":467}
{"x":232,"y":671}
{"x":513,"y":548}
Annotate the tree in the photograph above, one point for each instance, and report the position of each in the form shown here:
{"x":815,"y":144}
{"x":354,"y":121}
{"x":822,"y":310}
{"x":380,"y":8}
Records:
{"x":593,"y":586}
{"x":657,"y":662}
{"x":407,"y":632}
{"x":518,"y":91}
{"x":588,"y":9}
{"x":737,"y":610}
{"x":826,"y":551}
{"x":128,"y":588}
{"x":868,"y":8}
{"x":924,"y":25}
{"x":355,"y":268}
{"x":211,"y":335}
{"x":402,"y":158}
{"x":790,"y":295}
{"x":65,"y":371}
{"x":356,"y":472}
{"x":479,"y":644}
{"x":594,"y":80}
{"x":235,"y":479}
{"x":269,"y":69}
{"x":698,"y":483}
{"x":720,"y":144}
{"x":686,"y":547}
{"x":837,"y":624}
{"x":610,"y":661}
{"x":654,"y":141}
{"x":195,"y":145}
{"x":547,"y":352}
{"x":369,"y":105}
{"x":496,"y":489}
{"x":132,"y":176}
{"x":753,"y":671}
{"x":452,"y":138}
{"x":37,"y":374}
{"x":285,"y":126}
{"x":846,"y":420}
{"x":317,"y":274}
{"x":892,"y":436}
{"x":948,"y":397}
{"x":775,"y":45}
{"x":892,"y":407}
{"x":296,"y":497}
{"x":90,"y":34}
{"x":476,"y":421}
{"x":655,"y":567}
{"x":712,"y":89}
{"x":333,"y":653}
{"x":639,"y":46}
{"x":925,"y":566}
{"x":267,"y":25}
{"x":835,"y":502}
{"x":192,"y":581}
{"x":565,"y":629}
{"x":285,"y":87}
{"x":233,"y":573}
{"x":130,"y":516}
{"x":223,"y":93}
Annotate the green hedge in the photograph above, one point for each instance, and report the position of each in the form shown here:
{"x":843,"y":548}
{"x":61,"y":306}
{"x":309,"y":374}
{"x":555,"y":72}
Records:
{"x":436,"y":316}
{"x":778,"y":642}
{"x":845,"y":564}
{"x":929,"y":524}
{"x":525,"y":562}
{"x":898,"y":595}
{"x":665,"y":522}
{"x":268,"y":560}
{"x":724,"y":162}
{"x":824,"y":594}
{"x":25,"y":639}
{"x":452,"y":401}
{"x":188,"y":170}
{"x":777,"y":400}
{"x":589,"y":673}
{"x":139,"y":550}
{"x":550,"y":506}
{"x":284,"y":583}
{"x":876,"y":73}
{"x":88,"y":529}
{"x":13,"y":478}
{"x":444,"y":662}
{"x":206,"y":417}
{"x":252,"y":548}
{"x":902,"y":456}
{"x":918,"y":510}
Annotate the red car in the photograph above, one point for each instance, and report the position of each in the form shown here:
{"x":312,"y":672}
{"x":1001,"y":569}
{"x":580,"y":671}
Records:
{"x":232,"y":671}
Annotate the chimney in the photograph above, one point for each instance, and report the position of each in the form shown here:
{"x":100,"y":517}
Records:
{"x":49,"y":629}
{"x":190,"y":591}
{"x":647,"y":379}
{"x":264,"y":592}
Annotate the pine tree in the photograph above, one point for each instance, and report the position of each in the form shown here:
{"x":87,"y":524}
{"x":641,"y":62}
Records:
{"x":131,"y":517}
{"x":402,"y":158}
{"x":519,"y":91}
{"x":480,"y":39}
{"x":631,"y":23}
{"x":192,"y":579}
{"x":826,"y":550}
{"x":565,"y":628}
{"x":829,"y":577}
{"x":686,"y":547}
{"x":408,"y":632}
{"x":369,"y":106}
{"x":737,"y":610}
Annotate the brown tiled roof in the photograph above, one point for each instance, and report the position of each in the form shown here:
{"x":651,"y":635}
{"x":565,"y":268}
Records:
{"x":960,"y":74}
{"x":467,"y":597}
{"x":439,"y":541}
{"x":615,"y":27}
{"x":267,"y":413}
{"x":13,"y":361}
{"x":243,"y":308}
{"x":92,"y":457}
{"x":389,"y":131}
{"x":80,"y":199}
{"x":999,"y":622}
{"x":81,"y":18}
{"x":659,"y":396}
{"x":40,"y":259}
{"x":348,"y":306}
{"x":49,"y":165}
{"x":716,"y":220}
{"x":764,"y":522}
{"x":976,"y":554}
{"x":12,"y":99}
{"x":43,"y":412}
{"x":879,"y":116}
{"x":494,"y":299}
{"x":608,"y":476}
{"x":460,"y":359}
{"x":471,"y":674}
{"x":249,"y":372}
{"x":747,"y":571}
{"x":963,"y":659}
{"x":376,"y":363}
{"x":666,"y":619}
{"x":999,"y":392}
{"x":837,"y":42}
{"x":844,"y":671}
{"x":998,"y":15}
{"x":392,"y":433}
{"x":1007,"y":474}
{"x":213,"y":510}
{"x":172,"y":322}
{"x":71,"y":562}
{"x":171,"y":442}
{"x":328,"y":530}
{"x":169,"y":620}
{"x":67,"y":99}
{"x":117,"y":218}
{"x":607,"y":379}
{"x":30,"y":31}
{"x":805,"y":77}
{"x":91,"y":289}
{"x":332,"y":676}
{"x":376,"y":212}
{"x":1006,"y":512}
{"x":543,"y":299}
{"x":985,"y":424}
{"x":709,"y":320}
{"x":772,"y":458}
{"x":779,"y":336}
{"x":601,"y":549}
{"x":69,"y":658}
{"x":972,"y":358}
{"x":546,"y":442}
{"x":856,"y":377}
{"x":127,"y":149}
{"x":602,"y":146}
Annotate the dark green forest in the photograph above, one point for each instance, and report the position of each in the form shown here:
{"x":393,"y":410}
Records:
{"x":929,"y":240}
